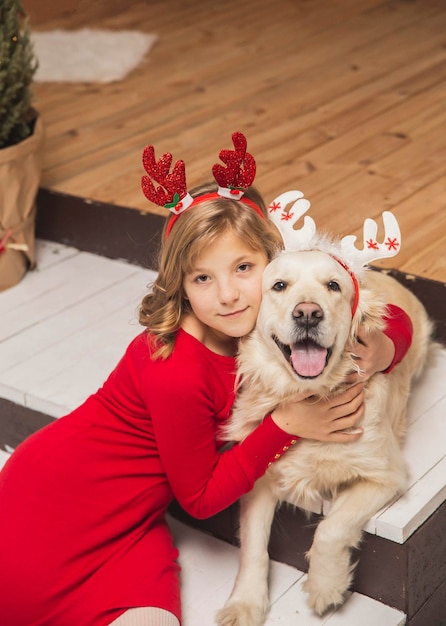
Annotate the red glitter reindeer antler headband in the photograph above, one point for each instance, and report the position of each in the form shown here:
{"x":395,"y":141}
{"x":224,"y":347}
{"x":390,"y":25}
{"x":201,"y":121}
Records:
{"x":233,"y":179}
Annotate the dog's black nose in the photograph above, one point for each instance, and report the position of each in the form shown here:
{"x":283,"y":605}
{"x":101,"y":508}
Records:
{"x":308,"y":314}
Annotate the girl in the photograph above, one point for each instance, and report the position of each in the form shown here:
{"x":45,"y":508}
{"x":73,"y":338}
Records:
{"x":83,"y":535}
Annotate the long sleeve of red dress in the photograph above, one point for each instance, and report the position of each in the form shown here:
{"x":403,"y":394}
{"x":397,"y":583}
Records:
{"x":399,"y":329}
{"x":189,"y":396}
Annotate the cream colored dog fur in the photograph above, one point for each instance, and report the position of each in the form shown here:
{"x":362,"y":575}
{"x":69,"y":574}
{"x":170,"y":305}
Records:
{"x":359,"y":477}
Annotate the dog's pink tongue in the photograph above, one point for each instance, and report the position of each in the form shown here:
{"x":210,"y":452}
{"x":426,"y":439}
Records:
{"x":308,"y":359}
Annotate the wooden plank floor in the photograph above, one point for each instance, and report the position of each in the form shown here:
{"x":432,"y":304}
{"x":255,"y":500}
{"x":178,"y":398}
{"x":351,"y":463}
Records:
{"x":345,"y":100}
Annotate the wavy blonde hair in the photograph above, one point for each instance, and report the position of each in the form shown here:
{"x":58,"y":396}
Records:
{"x":164,"y":308}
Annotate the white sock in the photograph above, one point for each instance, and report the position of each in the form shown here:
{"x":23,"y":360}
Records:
{"x":146,"y":616}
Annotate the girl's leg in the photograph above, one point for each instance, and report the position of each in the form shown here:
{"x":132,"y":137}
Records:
{"x":146,"y":616}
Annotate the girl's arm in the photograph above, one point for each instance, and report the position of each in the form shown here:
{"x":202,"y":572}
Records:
{"x":382,"y":350}
{"x":205,"y":480}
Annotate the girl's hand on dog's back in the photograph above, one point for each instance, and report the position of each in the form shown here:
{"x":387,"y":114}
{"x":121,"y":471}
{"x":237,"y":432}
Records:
{"x":373,"y":352}
{"x":333,"y":419}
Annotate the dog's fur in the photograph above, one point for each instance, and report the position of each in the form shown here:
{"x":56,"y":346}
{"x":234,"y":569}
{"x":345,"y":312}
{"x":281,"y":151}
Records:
{"x":359,"y":477}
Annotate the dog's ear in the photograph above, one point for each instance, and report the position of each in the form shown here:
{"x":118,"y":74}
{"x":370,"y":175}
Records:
{"x":369,"y":314}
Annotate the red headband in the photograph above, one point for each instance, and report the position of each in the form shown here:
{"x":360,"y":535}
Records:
{"x":211,"y":196}
{"x":233,"y":179}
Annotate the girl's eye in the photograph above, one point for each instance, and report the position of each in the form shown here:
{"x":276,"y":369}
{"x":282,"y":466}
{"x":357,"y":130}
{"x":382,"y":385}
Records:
{"x":202,"y":278}
{"x":244,"y":267}
{"x":333,"y":286}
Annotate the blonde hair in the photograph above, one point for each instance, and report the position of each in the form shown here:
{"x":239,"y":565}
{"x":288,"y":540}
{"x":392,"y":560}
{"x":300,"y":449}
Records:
{"x":164,"y":308}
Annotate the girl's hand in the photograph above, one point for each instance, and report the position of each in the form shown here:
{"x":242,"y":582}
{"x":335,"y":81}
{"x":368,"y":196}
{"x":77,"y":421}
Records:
{"x":373,"y":352}
{"x":333,"y":419}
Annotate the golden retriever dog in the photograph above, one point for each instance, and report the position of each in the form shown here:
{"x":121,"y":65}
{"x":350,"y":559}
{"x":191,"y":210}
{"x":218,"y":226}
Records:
{"x":302,"y":343}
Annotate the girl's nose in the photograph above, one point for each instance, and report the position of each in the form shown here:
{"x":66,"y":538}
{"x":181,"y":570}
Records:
{"x":228,"y":292}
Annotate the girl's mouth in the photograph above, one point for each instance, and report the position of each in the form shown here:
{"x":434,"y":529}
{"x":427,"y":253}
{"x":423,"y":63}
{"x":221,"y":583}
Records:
{"x":234,"y":314}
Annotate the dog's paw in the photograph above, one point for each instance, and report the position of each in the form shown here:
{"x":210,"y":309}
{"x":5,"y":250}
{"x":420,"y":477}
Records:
{"x":325,"y":597}
{"x":241,"y":614}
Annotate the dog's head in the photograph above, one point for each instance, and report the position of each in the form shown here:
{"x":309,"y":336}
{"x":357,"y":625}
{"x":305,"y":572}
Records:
{"x":306,"y":315}
{"x":312,"y":303}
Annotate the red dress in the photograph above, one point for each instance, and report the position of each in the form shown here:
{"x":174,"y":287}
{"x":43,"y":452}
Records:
{"x":83,"y":535}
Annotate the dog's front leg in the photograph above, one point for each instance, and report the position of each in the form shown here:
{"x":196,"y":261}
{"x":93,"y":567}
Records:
{"x":248,"y":602}
{"x":330,"y":570}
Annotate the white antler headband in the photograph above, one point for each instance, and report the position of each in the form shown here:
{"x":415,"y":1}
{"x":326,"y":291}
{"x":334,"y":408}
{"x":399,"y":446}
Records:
{"x":305,"y":237}
{"x":346,"y":253}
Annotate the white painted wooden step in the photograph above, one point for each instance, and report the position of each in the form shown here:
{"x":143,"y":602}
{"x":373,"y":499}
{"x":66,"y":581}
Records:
{"x":209,"y":567}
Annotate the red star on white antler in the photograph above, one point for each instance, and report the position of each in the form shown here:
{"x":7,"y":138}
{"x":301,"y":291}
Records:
{"x":372,"y":244}
{"x":392,"y":244}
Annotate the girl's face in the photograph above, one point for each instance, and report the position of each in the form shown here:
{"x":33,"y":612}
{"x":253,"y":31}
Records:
{"x":224,"y":292}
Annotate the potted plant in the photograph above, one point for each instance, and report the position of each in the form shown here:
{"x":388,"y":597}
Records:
{"x":21,"y":140}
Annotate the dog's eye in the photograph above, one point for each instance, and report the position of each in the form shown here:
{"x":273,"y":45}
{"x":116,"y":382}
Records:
{"x":333,"y":286}
{"x":279,"y":285}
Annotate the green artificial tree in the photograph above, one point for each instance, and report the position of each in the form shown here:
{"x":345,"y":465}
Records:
{"x":17,"y":67}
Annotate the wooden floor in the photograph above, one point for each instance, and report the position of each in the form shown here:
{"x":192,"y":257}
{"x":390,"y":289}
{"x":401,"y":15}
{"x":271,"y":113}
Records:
{"x":342,"y":99}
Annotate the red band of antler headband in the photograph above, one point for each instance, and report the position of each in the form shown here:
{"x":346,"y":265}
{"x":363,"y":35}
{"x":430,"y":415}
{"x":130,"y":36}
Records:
{"x":233,"y":179}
